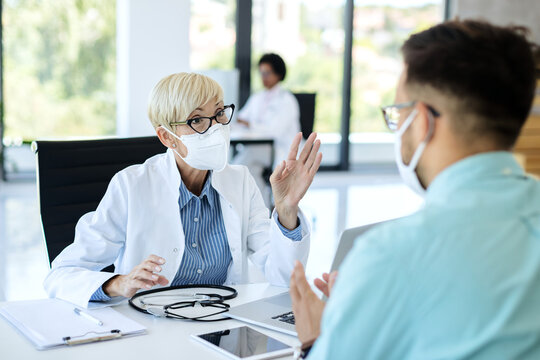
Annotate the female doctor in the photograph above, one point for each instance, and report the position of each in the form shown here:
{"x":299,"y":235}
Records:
{"x":185,"y":216}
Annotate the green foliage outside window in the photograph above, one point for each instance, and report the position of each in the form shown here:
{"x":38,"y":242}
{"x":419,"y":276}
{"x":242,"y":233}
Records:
{"x":59,"y":68}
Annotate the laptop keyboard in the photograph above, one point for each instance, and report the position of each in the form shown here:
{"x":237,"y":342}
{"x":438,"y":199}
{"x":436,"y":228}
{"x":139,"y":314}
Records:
{"x":287,"y":317}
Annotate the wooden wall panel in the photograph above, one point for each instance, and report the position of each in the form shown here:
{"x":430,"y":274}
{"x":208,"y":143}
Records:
{"x":528,"y":144}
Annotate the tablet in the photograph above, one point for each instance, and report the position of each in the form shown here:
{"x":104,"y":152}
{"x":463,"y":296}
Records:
{"x":244,"y":343}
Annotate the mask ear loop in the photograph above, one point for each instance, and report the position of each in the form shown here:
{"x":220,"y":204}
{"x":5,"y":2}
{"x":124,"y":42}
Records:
{"x":420,"y":149}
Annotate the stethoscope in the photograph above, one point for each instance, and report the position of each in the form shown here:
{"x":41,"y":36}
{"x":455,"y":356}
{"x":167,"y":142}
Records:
{"x":162,"y":301}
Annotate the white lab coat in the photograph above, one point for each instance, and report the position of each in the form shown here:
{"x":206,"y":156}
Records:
{"x":274,"y":113}
{"x":139,"y":215}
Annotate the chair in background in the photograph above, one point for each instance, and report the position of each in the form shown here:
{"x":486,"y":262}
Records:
{"x":72,"y":177}
{"x":306,"y":103}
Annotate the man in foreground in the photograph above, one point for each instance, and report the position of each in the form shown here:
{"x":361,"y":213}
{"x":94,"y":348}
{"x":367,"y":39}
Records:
{"x":461,"y":277}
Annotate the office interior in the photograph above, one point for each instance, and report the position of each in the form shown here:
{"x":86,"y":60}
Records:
{"x":87,"y":74}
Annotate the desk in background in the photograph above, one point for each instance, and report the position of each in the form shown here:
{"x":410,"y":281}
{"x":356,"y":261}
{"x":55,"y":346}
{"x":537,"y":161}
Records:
{"x":246,"y":139}
{"x":165,"y":338}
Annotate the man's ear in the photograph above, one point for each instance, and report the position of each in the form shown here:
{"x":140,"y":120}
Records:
{"x":421,"y":124}
{"x":166,"y":139}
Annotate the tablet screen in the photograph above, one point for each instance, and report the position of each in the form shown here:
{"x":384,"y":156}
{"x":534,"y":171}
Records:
{"x":244,"y":342}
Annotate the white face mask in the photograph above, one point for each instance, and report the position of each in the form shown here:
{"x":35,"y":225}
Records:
{"x":408,"y":172}
{"x":208,"y":151}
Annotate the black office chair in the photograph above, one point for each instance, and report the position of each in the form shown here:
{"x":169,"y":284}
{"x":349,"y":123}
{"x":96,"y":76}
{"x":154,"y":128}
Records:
{"x":73,"y":176}
{"x":306,"y":103}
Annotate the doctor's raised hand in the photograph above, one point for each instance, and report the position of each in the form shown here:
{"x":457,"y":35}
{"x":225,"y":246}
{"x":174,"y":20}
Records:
{"x":292,"y":178}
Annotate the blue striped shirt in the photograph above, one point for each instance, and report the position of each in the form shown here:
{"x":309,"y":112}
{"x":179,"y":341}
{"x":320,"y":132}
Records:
{"x":207,"y":255}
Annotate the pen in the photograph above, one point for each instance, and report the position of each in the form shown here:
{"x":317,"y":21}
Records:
{"x":88,"y":316}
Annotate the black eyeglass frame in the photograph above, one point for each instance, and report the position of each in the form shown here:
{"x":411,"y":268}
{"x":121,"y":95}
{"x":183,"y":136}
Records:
{"x":189,"y":122}
{"x":394,"y":126}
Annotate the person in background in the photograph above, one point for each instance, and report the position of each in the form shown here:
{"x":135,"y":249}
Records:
{"x":186,"y":216}
{"x":459,"y":279}
{"x":272,"y":112}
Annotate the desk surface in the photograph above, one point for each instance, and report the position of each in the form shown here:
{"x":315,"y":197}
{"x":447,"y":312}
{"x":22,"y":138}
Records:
{"x":164,"y":339}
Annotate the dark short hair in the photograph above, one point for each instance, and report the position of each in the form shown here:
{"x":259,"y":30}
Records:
{"x":276,"y":62}
{"x":489,"y":69}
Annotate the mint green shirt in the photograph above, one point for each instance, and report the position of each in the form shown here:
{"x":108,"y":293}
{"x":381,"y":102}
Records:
{"x":459,"y":279}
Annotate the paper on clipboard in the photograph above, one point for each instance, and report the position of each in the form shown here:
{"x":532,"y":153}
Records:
{"x":47,"y":323}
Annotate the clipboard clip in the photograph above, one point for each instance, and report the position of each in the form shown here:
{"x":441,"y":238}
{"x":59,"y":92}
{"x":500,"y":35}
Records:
{"x":100,"y":336}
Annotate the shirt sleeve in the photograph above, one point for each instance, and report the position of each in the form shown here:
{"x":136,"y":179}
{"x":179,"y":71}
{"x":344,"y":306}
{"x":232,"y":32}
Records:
{"x":99,"y":295}
{"x":295,"y":234}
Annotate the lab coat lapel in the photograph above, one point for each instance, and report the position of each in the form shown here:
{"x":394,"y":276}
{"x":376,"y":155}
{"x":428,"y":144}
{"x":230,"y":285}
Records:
{"x":232,"y":217}
{"x":172,"y":224}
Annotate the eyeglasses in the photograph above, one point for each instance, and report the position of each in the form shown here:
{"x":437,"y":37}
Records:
{"x":391,"y":113}
{"x":265,"y":74}
{"x":203,"y":123}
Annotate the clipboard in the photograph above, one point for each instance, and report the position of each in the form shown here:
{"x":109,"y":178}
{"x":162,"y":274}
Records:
{"x":51,"y":323}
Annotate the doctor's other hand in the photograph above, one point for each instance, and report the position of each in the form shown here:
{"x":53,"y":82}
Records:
{"x":307,"y":307}
{"x":292,"y":178}
{"x":326,"y":283}
{"x":143,"y":276}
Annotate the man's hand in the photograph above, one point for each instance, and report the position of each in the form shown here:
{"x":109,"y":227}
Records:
{"x":307,"y":307}
{"x":326,"y":283}
{"x":143,"y":276}
{"x":292,"y":178}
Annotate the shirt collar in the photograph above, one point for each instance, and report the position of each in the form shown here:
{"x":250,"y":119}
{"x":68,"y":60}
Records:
{"x":208,"y":191}
{"x":274,"y":90}
{"x":472,"y":169}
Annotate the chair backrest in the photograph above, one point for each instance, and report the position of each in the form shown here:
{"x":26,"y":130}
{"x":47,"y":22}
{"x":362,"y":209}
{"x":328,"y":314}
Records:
{"x":73,"y":177}
{"x":306,"y":102}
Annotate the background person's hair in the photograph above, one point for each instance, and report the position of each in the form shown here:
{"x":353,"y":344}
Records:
{"x":176,"y":96}
{"x":276,"y":62}
{"x":488,"y":70}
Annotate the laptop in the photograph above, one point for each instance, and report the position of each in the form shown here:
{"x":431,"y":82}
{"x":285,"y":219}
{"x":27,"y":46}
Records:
{"x":276,"y":312}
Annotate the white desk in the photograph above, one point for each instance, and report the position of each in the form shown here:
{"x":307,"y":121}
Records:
{"x":166,"y":339}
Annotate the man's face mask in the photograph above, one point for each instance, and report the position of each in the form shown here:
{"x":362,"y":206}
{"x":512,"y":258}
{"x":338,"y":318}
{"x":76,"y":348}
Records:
{"x":408,"y":172}
{"x":208,"y":151}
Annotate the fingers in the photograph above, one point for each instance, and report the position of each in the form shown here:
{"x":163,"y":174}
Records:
{"x":293,"y":290}
{"x":325,"y":276}
{"x":278,"y":172}
{"x":158,"y":260}
{"x":294,"y":147}
{"x":149,"y":266}
{"x":321,"y":285}
{"x":307,"y":148}
{"x":162,"y":280}
{"x":313,"y":154}
{"x":140,"y":284}
{"x":300,"y":278}
{"x":315,"y":167}
{"x":331,"y":281}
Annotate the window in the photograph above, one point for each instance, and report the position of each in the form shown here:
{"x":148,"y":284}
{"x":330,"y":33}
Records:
{"x":212,"y":34}
{"x":310,"y":37}
{"x":379,"y":29}
{"x":59,"y":68}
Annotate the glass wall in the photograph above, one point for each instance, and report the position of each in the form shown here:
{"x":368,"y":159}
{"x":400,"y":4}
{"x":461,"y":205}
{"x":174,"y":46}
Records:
{"x":309,"y":36}
{"x":59,"y":68}
{"x":379,"y":29}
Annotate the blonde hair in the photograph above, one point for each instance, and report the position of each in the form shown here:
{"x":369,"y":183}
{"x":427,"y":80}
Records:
{"x":176,"y":96}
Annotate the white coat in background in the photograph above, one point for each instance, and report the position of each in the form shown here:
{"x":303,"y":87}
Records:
{"x":139,"y":215}
{"x":273,"y":113}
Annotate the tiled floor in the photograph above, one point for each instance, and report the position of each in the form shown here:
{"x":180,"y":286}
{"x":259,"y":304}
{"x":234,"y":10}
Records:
{"x":335,"y":201}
